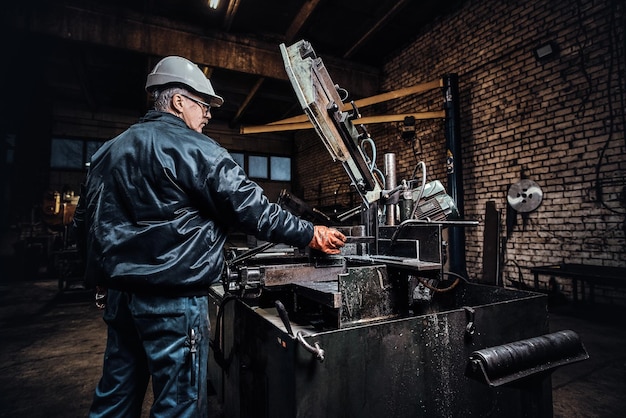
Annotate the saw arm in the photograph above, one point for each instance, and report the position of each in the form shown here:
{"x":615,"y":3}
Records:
{"x":320,"y":101}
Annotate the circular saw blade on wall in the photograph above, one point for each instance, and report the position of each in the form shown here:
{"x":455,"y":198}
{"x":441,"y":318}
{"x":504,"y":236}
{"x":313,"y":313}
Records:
{"x":524,"y":196}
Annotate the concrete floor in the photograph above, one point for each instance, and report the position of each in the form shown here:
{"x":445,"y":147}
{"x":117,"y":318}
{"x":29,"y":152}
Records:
{"x":51,"y":346}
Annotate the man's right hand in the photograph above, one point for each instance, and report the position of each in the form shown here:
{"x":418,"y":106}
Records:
{"x":328,"y":240}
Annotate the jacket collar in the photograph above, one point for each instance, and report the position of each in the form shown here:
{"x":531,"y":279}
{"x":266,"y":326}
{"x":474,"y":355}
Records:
{"x":156,"y":115}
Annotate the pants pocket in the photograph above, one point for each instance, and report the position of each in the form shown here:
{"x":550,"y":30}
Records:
{"x":174,"y":332}
{"x":187,"y":381}
{"x":172,"y":361}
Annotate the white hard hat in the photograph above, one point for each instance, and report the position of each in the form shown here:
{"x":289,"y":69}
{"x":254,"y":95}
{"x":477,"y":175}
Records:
{"x":180,"y":70}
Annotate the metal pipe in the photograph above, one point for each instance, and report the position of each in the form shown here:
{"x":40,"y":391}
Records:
{"x":390,"y":184}
{"x":454,"y":163}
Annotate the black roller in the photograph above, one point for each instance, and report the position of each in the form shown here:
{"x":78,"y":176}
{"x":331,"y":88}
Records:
{"x":517,"y":360}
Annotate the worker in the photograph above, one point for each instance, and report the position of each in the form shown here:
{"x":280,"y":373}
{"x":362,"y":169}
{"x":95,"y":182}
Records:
{"x":157,"y":205}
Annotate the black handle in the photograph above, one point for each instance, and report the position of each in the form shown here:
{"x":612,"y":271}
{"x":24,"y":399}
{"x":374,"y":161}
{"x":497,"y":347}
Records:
{"x":284,"y":316}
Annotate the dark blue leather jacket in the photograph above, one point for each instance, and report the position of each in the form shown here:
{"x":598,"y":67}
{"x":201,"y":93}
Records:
{"x":158,"y":203}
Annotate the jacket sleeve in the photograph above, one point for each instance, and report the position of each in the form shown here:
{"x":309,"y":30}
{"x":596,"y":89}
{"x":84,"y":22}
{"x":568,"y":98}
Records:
{"x":242,"y":202}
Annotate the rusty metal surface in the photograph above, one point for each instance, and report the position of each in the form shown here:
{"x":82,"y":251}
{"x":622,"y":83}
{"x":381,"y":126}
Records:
{"x":277,"y":275}
{"x":366,"y":295}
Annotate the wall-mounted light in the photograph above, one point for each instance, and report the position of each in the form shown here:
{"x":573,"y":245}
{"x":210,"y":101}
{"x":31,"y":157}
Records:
{"x":214,"y":3}
{"x":546,"y":51}
{"x":408,"y":128}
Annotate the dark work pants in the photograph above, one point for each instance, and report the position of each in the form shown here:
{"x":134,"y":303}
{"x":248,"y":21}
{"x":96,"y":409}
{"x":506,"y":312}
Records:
{"x":151,"y":336}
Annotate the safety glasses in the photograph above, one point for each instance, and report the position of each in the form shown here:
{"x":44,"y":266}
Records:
{"x":206,"y":108}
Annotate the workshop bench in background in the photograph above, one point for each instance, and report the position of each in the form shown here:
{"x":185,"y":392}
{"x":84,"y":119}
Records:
{"x":585,"y":274}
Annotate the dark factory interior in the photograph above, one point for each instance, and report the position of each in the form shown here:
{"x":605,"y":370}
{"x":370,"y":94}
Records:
{"x":471,"y":152}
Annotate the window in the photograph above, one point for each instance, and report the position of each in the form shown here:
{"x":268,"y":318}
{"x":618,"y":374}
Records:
{"x":66,"y":153}
{"x":72,"y":153}
{"x":264,"y":167}
{"x":280,"y":168}
{"x":257,"y":166}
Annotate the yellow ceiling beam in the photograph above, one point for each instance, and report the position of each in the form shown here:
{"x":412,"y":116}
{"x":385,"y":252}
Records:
{"x":364,"y":120}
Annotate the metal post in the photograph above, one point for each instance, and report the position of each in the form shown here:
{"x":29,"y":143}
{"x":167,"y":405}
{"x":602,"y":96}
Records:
{"x":390,"y":184}
{"x":456,"y":234}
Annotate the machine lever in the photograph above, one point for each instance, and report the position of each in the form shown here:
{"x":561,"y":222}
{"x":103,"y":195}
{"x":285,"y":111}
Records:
{"x":355,"y":114}
{"x":250,"y":253}
{"x":284,"y":316}
{"x":389,"y":193}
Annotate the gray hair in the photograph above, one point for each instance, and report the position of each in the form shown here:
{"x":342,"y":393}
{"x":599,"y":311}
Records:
{"x":163,"y":98}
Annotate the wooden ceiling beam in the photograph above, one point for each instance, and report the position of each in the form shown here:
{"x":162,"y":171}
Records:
{"x":222,"y":51}
{"x":379,"y":24}
{"x":369,"y":101}
{"x":441,"y":114}
{"x":303,"y":15}
{"x":248,"y":99}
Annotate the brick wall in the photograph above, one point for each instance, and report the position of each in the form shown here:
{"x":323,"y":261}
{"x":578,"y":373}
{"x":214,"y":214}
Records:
{"x":559,"y":122}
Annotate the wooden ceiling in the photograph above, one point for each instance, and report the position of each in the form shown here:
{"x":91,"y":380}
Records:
{"x":96,"y":54}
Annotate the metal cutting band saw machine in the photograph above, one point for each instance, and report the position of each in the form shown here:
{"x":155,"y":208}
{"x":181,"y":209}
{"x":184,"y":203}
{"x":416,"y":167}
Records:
{"x":381,"y":330}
